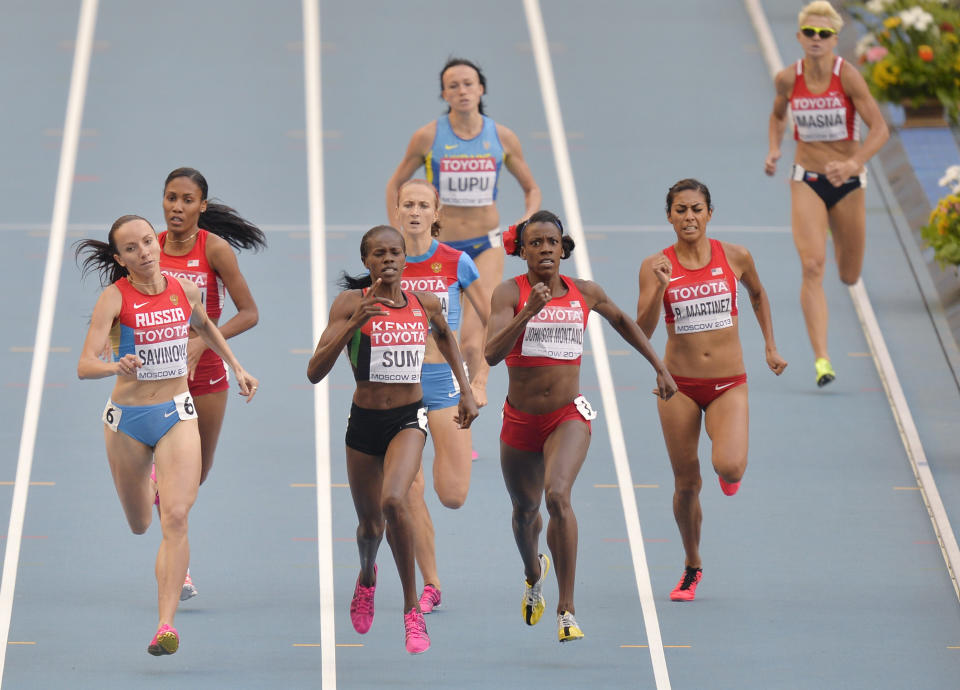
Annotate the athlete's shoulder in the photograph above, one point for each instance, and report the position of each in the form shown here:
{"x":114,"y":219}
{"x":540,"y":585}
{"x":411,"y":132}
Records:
{"x":786,"y":78}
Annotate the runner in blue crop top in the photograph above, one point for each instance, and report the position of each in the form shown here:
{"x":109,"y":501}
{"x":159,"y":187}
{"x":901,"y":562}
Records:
{"x":448,"y":273}
{"x":463,"y":152}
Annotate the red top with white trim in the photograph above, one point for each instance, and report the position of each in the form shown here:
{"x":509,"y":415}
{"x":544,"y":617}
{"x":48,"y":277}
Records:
{"x":154,"y":328}
{"x":554,"y":335}
{"x":700,"y":300}
{"x":827,"y":116}
{"x":195,"y":267}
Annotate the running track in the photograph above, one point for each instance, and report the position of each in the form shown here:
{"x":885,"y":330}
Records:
{"x":824,"y":571}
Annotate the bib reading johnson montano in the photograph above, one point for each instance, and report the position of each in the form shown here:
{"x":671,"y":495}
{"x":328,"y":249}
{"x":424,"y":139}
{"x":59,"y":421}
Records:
{"x":555,"y":334}
{"x":389,"y":348}
{"x":827,"y":116}
{"x":465,"y":171}
{"x":154,"y":328}
{"x":700,"y":300}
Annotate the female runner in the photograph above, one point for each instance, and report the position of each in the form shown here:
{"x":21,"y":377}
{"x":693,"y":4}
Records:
{"x":827,"y":97}
{"x":447,"y":273}
{"x":462,"y":153}
{"x":383,"y":330}
{"x":695,"y":280}
{"x":198,"y":245}
{"x":537,"y":321}
{"x":150,"y":416}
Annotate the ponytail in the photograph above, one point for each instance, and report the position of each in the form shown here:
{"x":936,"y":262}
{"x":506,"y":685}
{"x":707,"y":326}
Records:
{"x":99,"y":256}
{"x":225,"y":222}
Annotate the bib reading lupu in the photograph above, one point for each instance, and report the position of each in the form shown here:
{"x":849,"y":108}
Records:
{"x":465,"y":171}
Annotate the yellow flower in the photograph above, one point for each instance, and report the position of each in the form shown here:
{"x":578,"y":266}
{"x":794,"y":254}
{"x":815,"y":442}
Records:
{"x":885,"y":74}
{"x":892,"y":22}
{"x":949,"y":38}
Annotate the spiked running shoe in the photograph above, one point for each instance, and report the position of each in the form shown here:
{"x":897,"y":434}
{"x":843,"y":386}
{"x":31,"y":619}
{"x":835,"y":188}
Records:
{"x":361,"y":606}
{"x":567,"y":628}
{"x":430,"y":599}
{"x":728,"y":488}
{"x":415,"y":632}
{"x":825,"y":372}
{"x":188,"y":591}
{"x":686,"y":589}
{"x":533,"y":603}
{"x":166,"y":641}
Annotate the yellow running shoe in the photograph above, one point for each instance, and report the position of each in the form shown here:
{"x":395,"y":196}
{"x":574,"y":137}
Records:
{"x":533,"y":603}
{"x":825,"y":372}
{"x":567,"y":628}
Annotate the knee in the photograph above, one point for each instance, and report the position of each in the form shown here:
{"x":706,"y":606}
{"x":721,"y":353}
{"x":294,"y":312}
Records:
{"x":174,"y":519}
{"x":392,"y":507}
{"x":849,"y":276}
{"x":452,"y":500}
{"x":525,"y":513}
{"x":558,"y":502}
{"x":812,"y":267}
{"x":688,"y":485}
{"x":140,"y":527}
{"x":452,"y":495}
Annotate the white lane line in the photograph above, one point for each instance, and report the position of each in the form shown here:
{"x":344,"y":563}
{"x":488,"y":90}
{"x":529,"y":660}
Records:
{"x":318,"y":289}
{"x":574,"y":225}
{"x":881,"y":358}
{"x":48,"y":303}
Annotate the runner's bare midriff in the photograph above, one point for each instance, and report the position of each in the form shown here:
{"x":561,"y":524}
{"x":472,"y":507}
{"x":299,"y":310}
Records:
{"x":467,"y":222}
{"x":815,"y":155}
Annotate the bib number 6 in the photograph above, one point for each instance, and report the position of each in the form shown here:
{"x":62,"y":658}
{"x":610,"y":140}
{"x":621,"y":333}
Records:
{"x":185,"y":407}
{"x":422,"y":418}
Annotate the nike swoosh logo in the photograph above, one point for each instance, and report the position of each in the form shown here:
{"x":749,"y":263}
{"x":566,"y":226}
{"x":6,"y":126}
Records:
{"x":450,"y":146}
{"x":170,"y":413}
{"x":137,"y":306}
{"x":677,"y":278}
{"x":718,"y":387}
{"x":214,"y":382}
{"x":453,"y":395}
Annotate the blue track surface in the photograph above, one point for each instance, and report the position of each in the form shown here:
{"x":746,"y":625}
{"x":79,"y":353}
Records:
{"x":823,"y":572}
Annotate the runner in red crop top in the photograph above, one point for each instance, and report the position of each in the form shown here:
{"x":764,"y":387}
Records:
{"x":206,"y":258}
{"x":827,"y":97}
{"x":695,"y":282}
{"x":382,"y":330}
{"x":150,"y":416}
{"x":537,"y":323}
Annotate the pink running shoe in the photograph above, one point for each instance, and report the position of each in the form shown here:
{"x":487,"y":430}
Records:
{"x":189,"y":590}
{"x":361,"y":606}
{"x":417,"y":640}
{"x":686,"y":589}
{"x":166,"y":641}
{"x":430,"y":599}
{"x":728,"y":488}
{"x":153,"y":478}
{"x":474,"y":455}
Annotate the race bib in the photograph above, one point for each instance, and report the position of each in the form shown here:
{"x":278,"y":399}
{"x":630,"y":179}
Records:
{"x":435,"y":285}
{"x":185,"y":407}
{"x":584,"y":408}
{"x":555,"y":332}
{"x":111,"y":415}
{"x":468,"y":181}
{"x":820,"y":118}
{"x":702,"y":307}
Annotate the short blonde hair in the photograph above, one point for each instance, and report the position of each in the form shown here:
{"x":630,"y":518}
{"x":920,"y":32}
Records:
{"x":821,"y":8}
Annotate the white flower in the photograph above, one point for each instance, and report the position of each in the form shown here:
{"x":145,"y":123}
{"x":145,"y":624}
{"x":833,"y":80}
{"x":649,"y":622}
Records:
{"x":877,"y":6}
{"x":951,"y":179}
{"x":916,"y":18}
{"x":866,"y":42}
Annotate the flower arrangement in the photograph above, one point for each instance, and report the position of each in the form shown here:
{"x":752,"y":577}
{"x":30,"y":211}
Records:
{"x":943,"y":231}
{"x":910,"y":53}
